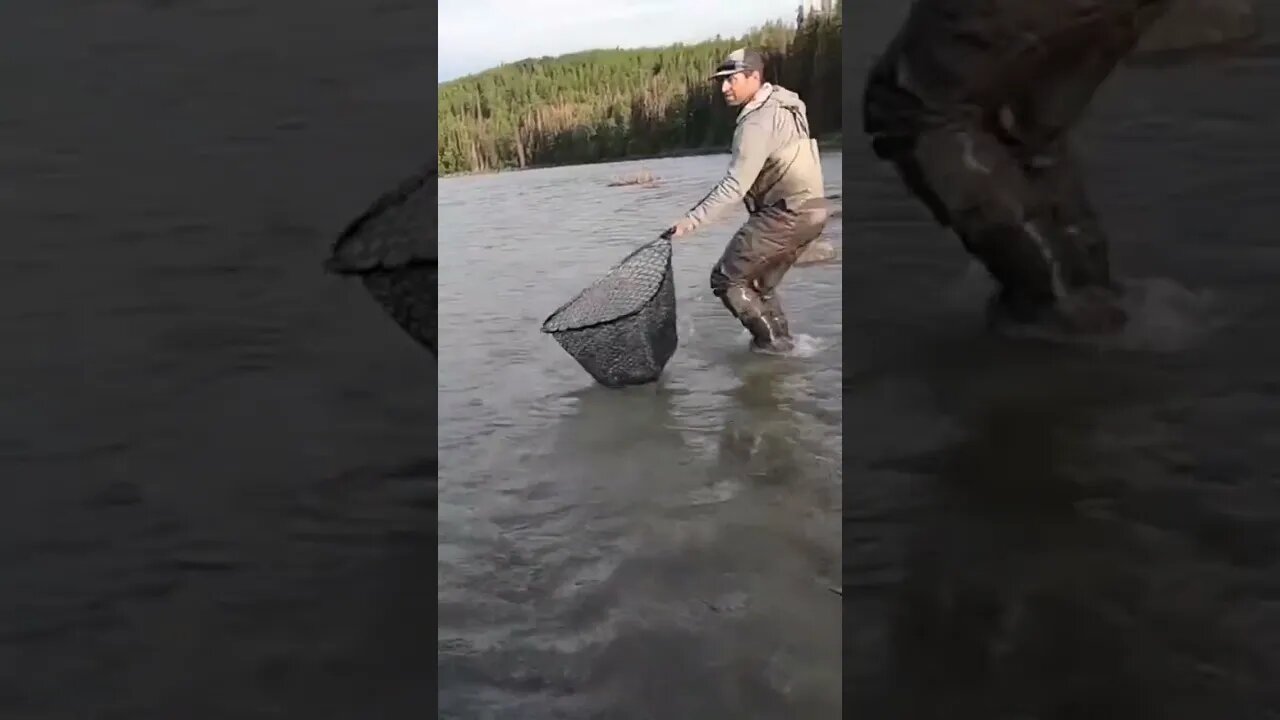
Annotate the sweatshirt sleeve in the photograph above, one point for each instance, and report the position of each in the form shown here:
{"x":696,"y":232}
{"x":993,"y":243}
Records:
{"x":751,"y":147}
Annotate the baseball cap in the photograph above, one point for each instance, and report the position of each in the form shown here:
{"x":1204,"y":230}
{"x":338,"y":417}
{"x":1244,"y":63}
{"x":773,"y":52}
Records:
{"x":740,"y":60}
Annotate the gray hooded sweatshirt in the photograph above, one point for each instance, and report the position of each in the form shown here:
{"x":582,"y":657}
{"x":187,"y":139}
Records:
{"x":774,"y":158}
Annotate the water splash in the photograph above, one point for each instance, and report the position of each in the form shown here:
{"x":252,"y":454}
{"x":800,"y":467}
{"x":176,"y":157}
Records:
{"x":1167,"y":316}
{"x":1164,"y":316}
{"x":805,"y":346}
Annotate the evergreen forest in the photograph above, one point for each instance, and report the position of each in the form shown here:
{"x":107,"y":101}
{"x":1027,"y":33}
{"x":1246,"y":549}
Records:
{"x":614,"y":104}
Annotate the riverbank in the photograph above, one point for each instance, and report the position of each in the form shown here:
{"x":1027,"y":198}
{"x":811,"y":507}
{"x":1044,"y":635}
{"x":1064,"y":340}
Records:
{"x":829,"y":142}
{"x":551,"y":111}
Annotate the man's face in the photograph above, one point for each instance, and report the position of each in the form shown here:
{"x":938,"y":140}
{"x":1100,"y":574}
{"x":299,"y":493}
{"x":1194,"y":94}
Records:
{"x":739,"y":87}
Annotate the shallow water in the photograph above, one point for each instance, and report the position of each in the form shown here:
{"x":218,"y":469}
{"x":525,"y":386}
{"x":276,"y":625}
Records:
{"x":1042,"y":529}
{"x":659,"y":551}
{"x":217,"y":462}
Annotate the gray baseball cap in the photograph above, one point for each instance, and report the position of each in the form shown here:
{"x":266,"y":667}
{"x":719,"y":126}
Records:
{"x":740,"y":60}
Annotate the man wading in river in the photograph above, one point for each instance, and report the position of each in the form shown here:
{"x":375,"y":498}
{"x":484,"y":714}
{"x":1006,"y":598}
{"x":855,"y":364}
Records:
{"x":972,"y":103}
{"x":776,"y":172}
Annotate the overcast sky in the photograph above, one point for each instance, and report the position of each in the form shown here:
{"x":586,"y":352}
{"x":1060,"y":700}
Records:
{"x":479,"y":34}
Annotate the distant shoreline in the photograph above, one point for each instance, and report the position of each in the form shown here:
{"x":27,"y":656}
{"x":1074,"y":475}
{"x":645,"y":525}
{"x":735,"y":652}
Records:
{"x":833,"y":141}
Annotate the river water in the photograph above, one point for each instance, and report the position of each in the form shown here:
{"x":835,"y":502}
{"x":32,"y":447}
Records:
{"x":217,"y":462}
{"x":662,"y":551}
{"x":1044,"y":530}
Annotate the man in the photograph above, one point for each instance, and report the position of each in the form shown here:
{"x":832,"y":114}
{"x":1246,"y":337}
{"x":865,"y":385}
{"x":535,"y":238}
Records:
{"x":776,"y":173}
{"x":972,"y":103}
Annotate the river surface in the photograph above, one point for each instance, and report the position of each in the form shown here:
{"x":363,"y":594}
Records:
{"x":1044,"y":530}
{"x":219,"y":464}
{"x":662,"y":551}
{"x":216,"y":462}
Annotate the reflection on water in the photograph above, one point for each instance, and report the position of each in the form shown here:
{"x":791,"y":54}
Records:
{"x":1040,"y":529}
{"x":656,"y":551}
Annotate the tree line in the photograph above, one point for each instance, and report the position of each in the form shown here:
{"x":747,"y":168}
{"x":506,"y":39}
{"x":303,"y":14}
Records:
{"x":613,"y":104}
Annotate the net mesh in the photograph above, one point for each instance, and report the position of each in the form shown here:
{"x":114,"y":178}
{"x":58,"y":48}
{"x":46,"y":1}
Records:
{"x":622,"y":329}
{"x":409,"y":296}
{"x":391,"y":246}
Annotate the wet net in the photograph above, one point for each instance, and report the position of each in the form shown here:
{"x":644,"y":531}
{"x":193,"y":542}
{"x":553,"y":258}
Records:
{"x":391,"y":247}
{"x":622,"y":329}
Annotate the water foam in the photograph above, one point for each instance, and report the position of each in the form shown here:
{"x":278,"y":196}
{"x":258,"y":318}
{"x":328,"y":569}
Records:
{"x":804,"y":346}
{"x":1164,"y":316}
